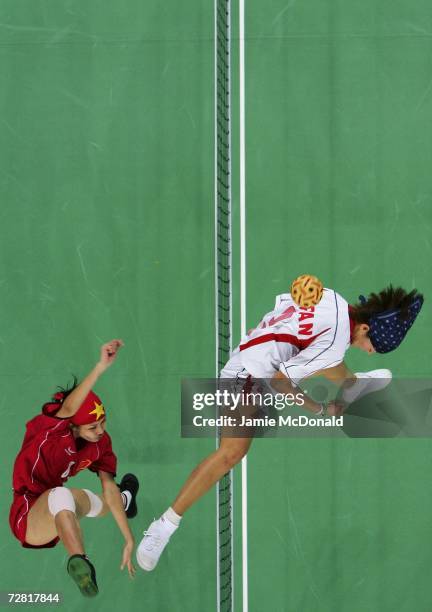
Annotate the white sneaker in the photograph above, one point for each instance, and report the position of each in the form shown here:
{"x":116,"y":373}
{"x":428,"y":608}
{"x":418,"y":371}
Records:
{"x":367,"y":382}
{"x":151,"y":546}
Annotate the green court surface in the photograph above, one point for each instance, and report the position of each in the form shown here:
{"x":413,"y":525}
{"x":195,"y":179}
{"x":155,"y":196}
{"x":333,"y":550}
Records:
{"x":107,"y":230}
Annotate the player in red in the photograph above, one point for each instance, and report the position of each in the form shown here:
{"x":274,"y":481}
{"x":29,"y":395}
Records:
{"x":69,"y":436}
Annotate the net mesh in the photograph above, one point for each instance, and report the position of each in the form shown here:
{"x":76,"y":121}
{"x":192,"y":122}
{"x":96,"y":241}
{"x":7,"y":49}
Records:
{"x":223,"y":292}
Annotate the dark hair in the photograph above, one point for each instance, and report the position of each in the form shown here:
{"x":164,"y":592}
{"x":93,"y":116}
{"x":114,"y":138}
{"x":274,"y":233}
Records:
{"x":68,"y":390}
{"x":388,"y":299}
{"x":51,"y":407}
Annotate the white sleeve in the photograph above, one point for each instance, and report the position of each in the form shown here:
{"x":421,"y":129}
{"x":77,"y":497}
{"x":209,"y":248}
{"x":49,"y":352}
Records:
{"x":250,"y":331}
{"x":327,"y":351}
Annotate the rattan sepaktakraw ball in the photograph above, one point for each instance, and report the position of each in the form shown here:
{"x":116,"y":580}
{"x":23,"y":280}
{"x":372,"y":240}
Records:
{"x":307,"y":290}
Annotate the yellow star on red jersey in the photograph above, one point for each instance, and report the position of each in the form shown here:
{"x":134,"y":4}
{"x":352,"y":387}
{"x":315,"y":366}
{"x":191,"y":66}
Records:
{"x":98,"y":411}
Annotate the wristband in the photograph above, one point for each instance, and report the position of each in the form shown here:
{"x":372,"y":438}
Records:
{"x":322,"y":411}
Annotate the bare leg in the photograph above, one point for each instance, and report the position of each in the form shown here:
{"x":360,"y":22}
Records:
{"x":231,"y":452}
{"x":340,"y":375}
{"x":69,"y":532}
{"x":199,"y":482}
{"x":42,"y":526}
{"x":210,"y":471}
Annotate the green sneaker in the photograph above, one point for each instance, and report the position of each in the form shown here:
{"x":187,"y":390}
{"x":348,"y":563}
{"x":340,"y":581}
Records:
{"x":84,"y":575}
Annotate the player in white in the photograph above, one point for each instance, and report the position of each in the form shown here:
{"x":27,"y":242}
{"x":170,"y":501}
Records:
{"x":290,"y":344}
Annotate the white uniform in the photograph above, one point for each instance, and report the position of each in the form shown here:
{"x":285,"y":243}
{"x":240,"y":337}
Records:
{"x":297,"y":341}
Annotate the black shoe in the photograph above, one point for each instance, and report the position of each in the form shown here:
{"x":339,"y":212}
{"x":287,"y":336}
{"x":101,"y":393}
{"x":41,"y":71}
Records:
{"x":83,"y":573}
{"x":130,"y":483}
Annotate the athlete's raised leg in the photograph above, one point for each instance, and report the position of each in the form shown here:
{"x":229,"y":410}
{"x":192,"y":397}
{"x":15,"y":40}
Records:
{"x":203,"y":477}
{"x":210,"y":471}
{"x":56,"y":513}
{"x":340,"y":375}
{"x":354,"y":385}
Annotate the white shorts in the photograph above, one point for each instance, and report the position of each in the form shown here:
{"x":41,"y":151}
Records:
{"x":234,"y":368}
{"x":235,"y":379}
{"x":233,"y":375}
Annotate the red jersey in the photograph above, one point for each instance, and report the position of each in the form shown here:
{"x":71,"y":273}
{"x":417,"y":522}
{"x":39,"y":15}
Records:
{"x":50,"y":455}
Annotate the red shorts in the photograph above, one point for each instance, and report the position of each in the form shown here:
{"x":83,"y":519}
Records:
{"x":18,"y":519}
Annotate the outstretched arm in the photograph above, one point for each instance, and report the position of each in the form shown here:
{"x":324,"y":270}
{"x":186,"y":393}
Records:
{"x":113,"y":500}
{"x":340,"y":375}
{"x":75,"y":399}
{"x":282,"y":384}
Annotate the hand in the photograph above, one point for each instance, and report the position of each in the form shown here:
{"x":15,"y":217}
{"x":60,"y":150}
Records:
{"x":109,"y":352}
{"x":127,"y":553}
{"x":335,"y":408}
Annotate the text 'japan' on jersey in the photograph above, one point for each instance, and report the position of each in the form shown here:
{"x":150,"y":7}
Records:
{"x":298,"y":341}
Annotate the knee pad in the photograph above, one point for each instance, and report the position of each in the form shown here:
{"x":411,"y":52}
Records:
{"x":96,"y":504}
{"x":60,"y":498}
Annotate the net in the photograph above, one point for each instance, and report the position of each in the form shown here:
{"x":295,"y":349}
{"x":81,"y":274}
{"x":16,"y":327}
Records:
{"x":223,"y":281}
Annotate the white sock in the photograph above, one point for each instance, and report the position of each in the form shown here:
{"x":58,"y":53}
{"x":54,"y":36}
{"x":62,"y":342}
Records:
{"x":367,"y":382}
{"x":127,"y":498}
{"x":171,"y":520}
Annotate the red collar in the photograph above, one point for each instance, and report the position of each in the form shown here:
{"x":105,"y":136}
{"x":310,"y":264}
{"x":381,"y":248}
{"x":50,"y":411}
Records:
{"x":351,"y":322}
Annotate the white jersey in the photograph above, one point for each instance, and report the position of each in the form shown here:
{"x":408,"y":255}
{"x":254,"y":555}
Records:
{"x":297,"y":341}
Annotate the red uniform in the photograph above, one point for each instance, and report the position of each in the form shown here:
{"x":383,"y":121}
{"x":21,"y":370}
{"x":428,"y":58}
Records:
{"x":48,"y":457}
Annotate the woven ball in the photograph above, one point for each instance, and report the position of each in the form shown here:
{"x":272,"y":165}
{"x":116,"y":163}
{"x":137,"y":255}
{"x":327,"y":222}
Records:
{"x":307,"y":290}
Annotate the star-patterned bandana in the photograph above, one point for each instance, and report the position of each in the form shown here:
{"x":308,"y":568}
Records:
{"x":387,"y":329}
{"x":91,"y":410}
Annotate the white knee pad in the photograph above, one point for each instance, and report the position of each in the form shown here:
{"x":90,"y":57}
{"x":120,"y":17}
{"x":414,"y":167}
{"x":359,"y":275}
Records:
{"x":59,"y":499}
{"x":96,"y":504}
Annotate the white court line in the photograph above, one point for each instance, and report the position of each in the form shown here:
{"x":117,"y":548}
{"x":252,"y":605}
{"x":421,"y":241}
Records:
{"x":245,"y":589}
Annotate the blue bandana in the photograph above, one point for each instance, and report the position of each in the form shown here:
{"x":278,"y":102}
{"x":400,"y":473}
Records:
{"x":387,"y":329}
